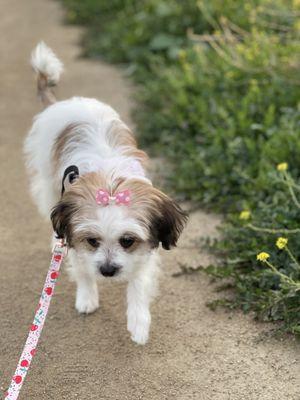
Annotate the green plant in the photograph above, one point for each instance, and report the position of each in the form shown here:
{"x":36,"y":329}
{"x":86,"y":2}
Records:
{"x":267,"y":282}
{"x":218,"y":91}
{"x":205,"y":106}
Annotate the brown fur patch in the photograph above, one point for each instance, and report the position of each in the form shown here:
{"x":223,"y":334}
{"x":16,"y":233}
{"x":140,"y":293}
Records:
{"x":44,"y":91}
{"x":163,"y":218}
{"x":71,"y":134}
{"x":78,"y":204}
{"x":119,"y":135}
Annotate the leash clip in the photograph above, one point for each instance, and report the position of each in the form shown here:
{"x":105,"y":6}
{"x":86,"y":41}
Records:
{"x":60,"y":246}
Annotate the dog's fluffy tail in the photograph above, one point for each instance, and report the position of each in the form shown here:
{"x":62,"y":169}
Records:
{"x":48,"y":68}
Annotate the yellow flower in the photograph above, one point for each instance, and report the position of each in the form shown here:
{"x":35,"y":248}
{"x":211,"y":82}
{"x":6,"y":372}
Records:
{"x":296,"y":3}
{"x":297,"y":25}
{"x":262,"y":256}
{"x":282,"y":166}
{"x":245,"y":215}
{"x":281,"y":243}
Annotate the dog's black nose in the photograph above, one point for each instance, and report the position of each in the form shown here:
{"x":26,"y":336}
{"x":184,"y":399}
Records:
{"x":109,"y":269}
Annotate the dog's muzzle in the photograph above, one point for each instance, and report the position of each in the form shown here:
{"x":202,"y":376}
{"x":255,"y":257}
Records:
{"x":109,"y":269}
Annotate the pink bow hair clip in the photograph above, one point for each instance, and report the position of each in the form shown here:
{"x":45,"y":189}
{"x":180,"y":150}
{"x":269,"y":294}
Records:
{"x":103,"y":197}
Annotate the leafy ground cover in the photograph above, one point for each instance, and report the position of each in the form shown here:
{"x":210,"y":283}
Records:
{"x":218,"y":91}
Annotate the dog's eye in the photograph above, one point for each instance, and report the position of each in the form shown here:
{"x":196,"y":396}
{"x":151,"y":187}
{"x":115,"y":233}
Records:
{"x":126,"y":241}
{"x":93,"y":242}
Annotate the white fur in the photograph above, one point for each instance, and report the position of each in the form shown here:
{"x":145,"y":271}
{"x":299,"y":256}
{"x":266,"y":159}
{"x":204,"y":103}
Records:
{"x":140,"y":292}
{"x":138,"y":268}
{"x":97,"y":118}
{"x":44,"y":61}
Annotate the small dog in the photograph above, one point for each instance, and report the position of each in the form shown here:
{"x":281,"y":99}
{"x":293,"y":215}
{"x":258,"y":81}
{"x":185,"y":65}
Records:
{"x":87,"y":173}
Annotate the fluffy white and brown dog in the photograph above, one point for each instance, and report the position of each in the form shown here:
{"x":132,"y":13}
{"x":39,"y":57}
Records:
{"x":88,"y":174}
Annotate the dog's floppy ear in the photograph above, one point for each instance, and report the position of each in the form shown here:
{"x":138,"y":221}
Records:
{"x":167,"y":222}
{"x":61,"y":214}
{"x":61,"y":219}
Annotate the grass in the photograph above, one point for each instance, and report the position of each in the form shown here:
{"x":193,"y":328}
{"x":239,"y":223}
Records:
{"x":218,"y":93}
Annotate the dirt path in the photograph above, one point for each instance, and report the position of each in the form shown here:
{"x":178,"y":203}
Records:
{"x":193,"y":353}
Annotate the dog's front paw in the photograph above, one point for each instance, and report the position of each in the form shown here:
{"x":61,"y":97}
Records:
{"x":138,"y":326}
{"x":141,"y":335}
{"x":86,"y":303}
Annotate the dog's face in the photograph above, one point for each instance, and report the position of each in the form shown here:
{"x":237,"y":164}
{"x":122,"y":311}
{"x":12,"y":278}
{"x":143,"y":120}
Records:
{"x":114,"y":240}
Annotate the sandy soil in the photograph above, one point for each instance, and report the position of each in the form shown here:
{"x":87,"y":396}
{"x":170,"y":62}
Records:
{"x":193,"y":353}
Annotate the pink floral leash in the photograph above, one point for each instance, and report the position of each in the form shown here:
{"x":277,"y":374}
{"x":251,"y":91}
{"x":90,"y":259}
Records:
{"x":29,"y":350}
